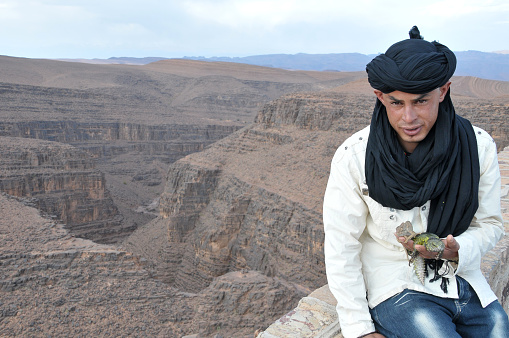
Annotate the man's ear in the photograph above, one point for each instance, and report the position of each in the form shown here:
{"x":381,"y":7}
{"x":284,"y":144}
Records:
{"x":379,"y":94}
{"x":443,"y":90}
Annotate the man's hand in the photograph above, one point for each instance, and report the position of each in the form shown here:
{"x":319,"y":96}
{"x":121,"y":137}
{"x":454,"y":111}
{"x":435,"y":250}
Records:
{"x":450,"y":251}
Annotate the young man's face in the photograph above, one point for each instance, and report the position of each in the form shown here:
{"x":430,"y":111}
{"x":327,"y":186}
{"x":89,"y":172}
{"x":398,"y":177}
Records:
{"x":412,"y":115}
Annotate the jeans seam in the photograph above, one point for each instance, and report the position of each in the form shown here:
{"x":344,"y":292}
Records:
{"x":458,"y":310}
{"x":464,"y":297}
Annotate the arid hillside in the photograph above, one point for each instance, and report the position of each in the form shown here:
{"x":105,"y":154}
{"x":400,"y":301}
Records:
{"x":222,"y":216}
{"x":164,"y":92}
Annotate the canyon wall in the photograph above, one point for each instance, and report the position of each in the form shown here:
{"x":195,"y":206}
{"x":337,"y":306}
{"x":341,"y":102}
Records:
{"x":253,"y":200}
{"x":250,"y":204}
{"x":71,"y":131}
{"x":130,"y":161}
{"x":218,"y":223}
{"x":102,"y":139}
{"x":53,"y":283}
{"x":62,"y":181}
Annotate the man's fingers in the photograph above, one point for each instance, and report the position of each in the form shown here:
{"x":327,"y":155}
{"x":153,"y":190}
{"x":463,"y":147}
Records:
{"x":451,"y":243}
{"x":451,"y":248}
{"x":408,"y":245}
{"x":425,"y":253}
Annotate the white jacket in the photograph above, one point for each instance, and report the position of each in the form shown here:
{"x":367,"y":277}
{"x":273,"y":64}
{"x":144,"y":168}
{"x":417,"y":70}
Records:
{"x":366,"y":265}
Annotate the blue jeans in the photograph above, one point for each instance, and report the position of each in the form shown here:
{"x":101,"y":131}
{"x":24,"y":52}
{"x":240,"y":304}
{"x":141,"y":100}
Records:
{"x":416,"y":314}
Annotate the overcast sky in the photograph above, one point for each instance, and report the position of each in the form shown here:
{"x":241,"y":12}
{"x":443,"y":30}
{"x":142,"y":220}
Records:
{"x":177,"y":28}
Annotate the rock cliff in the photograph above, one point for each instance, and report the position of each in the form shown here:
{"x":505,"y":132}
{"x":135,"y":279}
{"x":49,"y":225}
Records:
{"x":53,"y":283}
{"x":61,"y":181}
{"x":251,"y":202}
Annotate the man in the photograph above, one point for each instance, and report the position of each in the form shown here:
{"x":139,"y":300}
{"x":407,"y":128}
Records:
{"x":421,"y":163}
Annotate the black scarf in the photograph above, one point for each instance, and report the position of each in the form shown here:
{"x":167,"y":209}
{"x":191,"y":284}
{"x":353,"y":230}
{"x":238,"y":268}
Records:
{"x":444,"y":167}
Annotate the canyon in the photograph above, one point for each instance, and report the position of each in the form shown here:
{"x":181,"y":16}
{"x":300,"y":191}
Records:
{"x":135,"y":120}
{"x":177,"y":198}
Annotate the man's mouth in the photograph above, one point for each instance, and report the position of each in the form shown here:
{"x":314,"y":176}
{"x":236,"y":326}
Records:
{"x":412,"y":131}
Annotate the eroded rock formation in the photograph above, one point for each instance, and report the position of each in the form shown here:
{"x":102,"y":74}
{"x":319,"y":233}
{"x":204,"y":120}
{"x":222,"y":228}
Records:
{"x":251,"y":202}
{"x":61,"y":181}
{"x":53,"y":283}
{"x":136,"y":120}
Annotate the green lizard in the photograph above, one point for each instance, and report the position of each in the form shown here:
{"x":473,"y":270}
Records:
{"x":430,"y":241}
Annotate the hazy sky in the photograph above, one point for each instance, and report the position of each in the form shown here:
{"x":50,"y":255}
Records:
{"x":176,"y":28}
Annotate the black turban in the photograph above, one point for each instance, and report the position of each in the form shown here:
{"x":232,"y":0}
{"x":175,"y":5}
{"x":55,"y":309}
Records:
{"x":444,"y":167}
{"x":412,"y":66}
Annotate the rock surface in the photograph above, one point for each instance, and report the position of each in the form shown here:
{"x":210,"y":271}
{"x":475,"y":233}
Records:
{"x":53,"y":283}
{"x":61,"y":181}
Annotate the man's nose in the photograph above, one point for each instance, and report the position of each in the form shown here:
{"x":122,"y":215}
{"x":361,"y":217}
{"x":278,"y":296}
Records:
{"x":409,"y":114}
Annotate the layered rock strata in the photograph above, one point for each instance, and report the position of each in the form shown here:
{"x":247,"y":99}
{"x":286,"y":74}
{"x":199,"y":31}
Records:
{"x":61,"y":181}
{"x":103,"y":140}
{"x":250,"y":202}
{"x":233,"y":225}
{"x":136,"y":120}
{"x":52,"y":283}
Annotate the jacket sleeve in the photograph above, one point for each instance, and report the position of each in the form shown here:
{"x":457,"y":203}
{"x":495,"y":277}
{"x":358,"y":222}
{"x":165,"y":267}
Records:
{"x":344,"y":216}
{"x":487,"y":226}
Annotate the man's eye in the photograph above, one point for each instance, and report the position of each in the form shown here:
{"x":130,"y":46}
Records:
{"x":396,"y":103}
{"x":422,"y":101}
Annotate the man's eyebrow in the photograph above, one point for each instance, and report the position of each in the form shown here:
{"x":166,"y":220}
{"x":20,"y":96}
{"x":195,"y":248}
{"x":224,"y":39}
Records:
{"x":420,"y":97}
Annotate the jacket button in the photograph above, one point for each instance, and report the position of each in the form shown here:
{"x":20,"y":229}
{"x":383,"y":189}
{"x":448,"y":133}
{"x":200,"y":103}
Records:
{"x":392,"y":209}
{"x":423,"y":208}
{"x":391,"y":217}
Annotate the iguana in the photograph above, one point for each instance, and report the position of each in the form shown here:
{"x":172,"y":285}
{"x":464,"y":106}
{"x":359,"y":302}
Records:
{"x":430,"y":241}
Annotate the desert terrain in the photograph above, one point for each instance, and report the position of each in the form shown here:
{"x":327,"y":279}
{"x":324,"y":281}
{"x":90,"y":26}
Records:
{"x":176,"y":198}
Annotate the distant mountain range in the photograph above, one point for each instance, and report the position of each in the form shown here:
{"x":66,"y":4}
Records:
{"x":493,"y":66}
